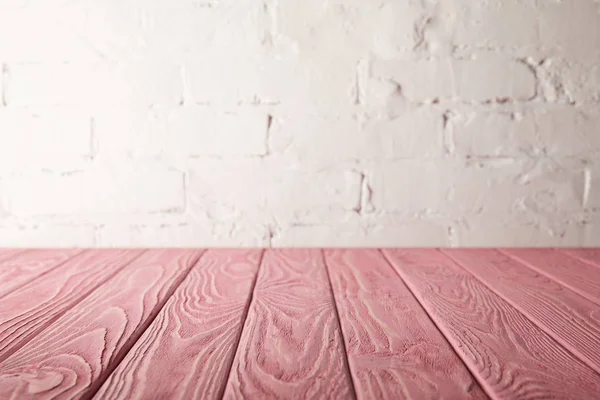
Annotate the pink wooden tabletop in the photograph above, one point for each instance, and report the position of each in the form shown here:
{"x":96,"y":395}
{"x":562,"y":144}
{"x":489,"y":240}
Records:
{"x":300,"y":324}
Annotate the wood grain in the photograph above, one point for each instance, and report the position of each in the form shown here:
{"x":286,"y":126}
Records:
{"x":6,"y":254}
{"x":591,"y":256}
{"x":394,"y":350}
{"x":579,"y":276}
{"x":72,"y":358}
{"x":291,"y":346}
{"x":569,"y":318}
{"x":24,"y":267}
{"x":510,"y":355}
{"x":187,"y":351}
{"x":31,"y":308}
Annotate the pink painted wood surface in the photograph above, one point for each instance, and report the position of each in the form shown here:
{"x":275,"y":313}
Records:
{"x":30,"y":309}
{"x":187,"y":351}
{"x":74,"y":356}
{"x":25,"y":266}
{"x":394,"y":349}
{"x":6,"y":254}
{"x":64,"y":329}
{"x":591,"y":256}
{"x":291,"y":346}
{"x":570,"y":319}
{"x":510,"y":356}
{"x":579,"y":276}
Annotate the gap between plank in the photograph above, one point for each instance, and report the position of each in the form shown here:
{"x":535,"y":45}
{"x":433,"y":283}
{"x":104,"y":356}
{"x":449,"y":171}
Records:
{"x":245,"y":317}
{"x":60,"y":264}
{"x":549,"y":276}
{"x":579,"y":258}
{"x":339,"y":321}
{"x":482,"y":383}
{"x":66,"y":309}
{"x":561,"y":342}
{"x":135,"y":336}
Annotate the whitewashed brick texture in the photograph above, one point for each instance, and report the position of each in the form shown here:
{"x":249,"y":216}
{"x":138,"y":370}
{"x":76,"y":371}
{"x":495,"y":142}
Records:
{"x":299,"y":123}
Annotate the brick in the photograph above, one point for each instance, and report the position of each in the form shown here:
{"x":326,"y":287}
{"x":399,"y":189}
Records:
{"x":411,"y":188}
{"x":484,"y":79}
{"x":297,"y":195}
{"x":47,"y":236}
{"x":254,"y":61}
{"x":236,"y":63}
{"x":531,"y":189}
{"x":183,"y":131}
{"x":43,"y":135}
{"x":483,"y":26}
{"x":228,"y":190}
{"x":489,"y":78}
{"x":569,"y":131}
{"x":415,"y":133}
{"x":226,"y":79}
{"x":570,"y":81}
{"x":571,"y":28}
{"x":205,"y":131}
{"x":346,"y":26}
{"x":409,"y":233}
{"x":28,"y":84}
{"x":555,"y":131}
{"x":151,"y":81}
{"x":507,"y":230}
{"x":417,"y":233}
{"x":571,"y":35}
{"x":44,"y":34}
{"x":252,"y":189}
{"x":394,"y":32}
{"x":113,"y":187}
{"x":134,"y":131}
{"x":496,"y":134}
{"x":306,"y":137}
{"x":144,"y":82}
{"x":183,"y":29}
{"x":312,"y":24}
{"x":288,"y":79}
{"x":184,"y":235}
{"x":114,"y":30}
{"x":422,"y":80}
{"x":322,"y":139}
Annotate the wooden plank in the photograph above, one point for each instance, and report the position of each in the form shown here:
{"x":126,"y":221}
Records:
{"x":187,"y":351}
{"x":591,"y":256}
{"x":29,"y":310}
{"x":72,"y":358}
{"x":570,"y":319}
{"x":510,"y":355}
{"x":26,"y":266}
{"x":578,"y":276}
{"x":291,"y":346}
{"x":394,"y":349}
{"x":6,"y":254}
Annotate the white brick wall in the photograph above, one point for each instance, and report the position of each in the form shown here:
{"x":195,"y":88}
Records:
{"x":483,"y":78}
{"x":43,"y":135}
{"x":299,"y":123}
{"x":111,"y":187}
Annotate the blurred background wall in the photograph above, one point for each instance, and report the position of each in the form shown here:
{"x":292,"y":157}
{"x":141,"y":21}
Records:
{"x":299,"y":123}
